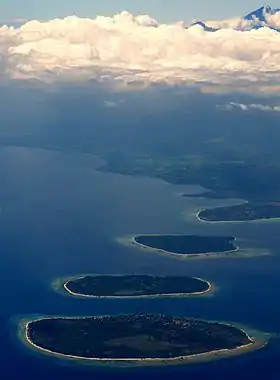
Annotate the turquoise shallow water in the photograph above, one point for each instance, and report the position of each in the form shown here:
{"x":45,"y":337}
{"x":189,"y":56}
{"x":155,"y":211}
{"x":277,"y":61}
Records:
{"x":59,"y":217}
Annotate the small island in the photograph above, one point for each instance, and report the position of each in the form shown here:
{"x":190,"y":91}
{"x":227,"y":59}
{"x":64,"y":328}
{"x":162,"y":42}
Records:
{"x":192,"y":247}
{"x":187,"y":244}
{"x":135,"y":286}
{"x":137,"y":337}
{"x":249,"y":211}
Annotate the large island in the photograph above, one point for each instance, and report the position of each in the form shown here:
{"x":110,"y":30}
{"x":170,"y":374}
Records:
{"x":136,"y":337}
{"x":248,"y":211}
{"x":135,"y":286}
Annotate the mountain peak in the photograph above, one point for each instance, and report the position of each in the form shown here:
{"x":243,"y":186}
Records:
{"x":257,"y":19}
{"x":203,"y":25}
{"x":260,"y":13}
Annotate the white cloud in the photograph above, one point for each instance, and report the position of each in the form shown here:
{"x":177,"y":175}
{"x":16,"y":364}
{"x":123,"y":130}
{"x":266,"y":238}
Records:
{"x":248,"y":107}
{"x":271,"y":19}
{"x":112,"y":103}
{"x":137,"y":49}
{"x":233,"y":23}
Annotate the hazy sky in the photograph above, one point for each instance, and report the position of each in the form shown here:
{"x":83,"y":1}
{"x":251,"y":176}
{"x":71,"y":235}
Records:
{"x":163,"y":10}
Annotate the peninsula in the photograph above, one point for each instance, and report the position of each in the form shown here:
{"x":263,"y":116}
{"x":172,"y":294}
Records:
{"x":248,"y":211}
{"x":137,"y":337}
{"x":135,"y":286}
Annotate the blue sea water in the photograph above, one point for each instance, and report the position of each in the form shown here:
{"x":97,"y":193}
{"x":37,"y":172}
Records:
{"x":60,"y":217}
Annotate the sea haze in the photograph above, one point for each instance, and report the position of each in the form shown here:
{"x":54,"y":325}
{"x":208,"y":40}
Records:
{"x":60,"y":215}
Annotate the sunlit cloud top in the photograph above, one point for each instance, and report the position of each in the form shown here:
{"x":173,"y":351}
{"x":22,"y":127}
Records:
{"x":250,"y":107}
{"x":126,"y":49}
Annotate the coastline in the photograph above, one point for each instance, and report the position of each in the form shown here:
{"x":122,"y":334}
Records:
{"x":261,"y":220}
{"x":210,"y":289}
{"x":237,"y":253}
{"x":253,"y":345}
{"x":130,"y":241}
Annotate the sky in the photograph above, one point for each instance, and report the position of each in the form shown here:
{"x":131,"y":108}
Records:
{"x":162,"y":10}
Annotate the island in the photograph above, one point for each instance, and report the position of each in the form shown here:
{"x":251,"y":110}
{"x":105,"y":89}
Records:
{"x":249,"y":211}
{"x":135,"y":286}
{"x":187,"y":244}
{"x":190,"y":247}
{"x":137,"y":337}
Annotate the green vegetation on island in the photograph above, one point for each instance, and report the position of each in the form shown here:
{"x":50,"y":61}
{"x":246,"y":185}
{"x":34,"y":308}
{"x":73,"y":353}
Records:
{"x":135,"y":285}
{"x":244,"y":212}
{"x":134,"y":337}
{"x":187,"y":244}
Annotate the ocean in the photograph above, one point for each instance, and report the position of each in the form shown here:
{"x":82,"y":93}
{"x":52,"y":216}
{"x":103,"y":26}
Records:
{"x":60,"y":217}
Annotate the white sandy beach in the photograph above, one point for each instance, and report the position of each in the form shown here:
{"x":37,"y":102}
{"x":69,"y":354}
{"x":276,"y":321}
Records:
{"x":184,"y":256}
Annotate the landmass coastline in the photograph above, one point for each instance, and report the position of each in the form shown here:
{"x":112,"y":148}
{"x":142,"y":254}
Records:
{"x":183,"y":256}
{"x":227,"y":221}
{"x":256,"y":220}
{"x":210,"y":289}
{"x":254,"y":344}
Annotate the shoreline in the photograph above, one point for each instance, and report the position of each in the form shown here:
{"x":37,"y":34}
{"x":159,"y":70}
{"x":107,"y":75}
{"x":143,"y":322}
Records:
{"x":253,"y":345}
{"x":239,"y":202}
{"x":237,"y":253}
{"x":261,"y":220}
{"x":222,"y":254}
{"x":209,"y":290}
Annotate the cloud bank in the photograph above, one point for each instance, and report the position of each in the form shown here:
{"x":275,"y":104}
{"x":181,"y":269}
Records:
{"x":248,"y":107}
{"x":130,"y":49}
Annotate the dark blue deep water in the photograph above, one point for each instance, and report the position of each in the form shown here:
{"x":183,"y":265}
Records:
{"x":60,"y":217}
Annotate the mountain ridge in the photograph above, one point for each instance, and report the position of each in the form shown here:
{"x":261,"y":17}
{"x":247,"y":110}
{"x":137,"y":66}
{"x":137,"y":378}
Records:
{"x":254,"y":20}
